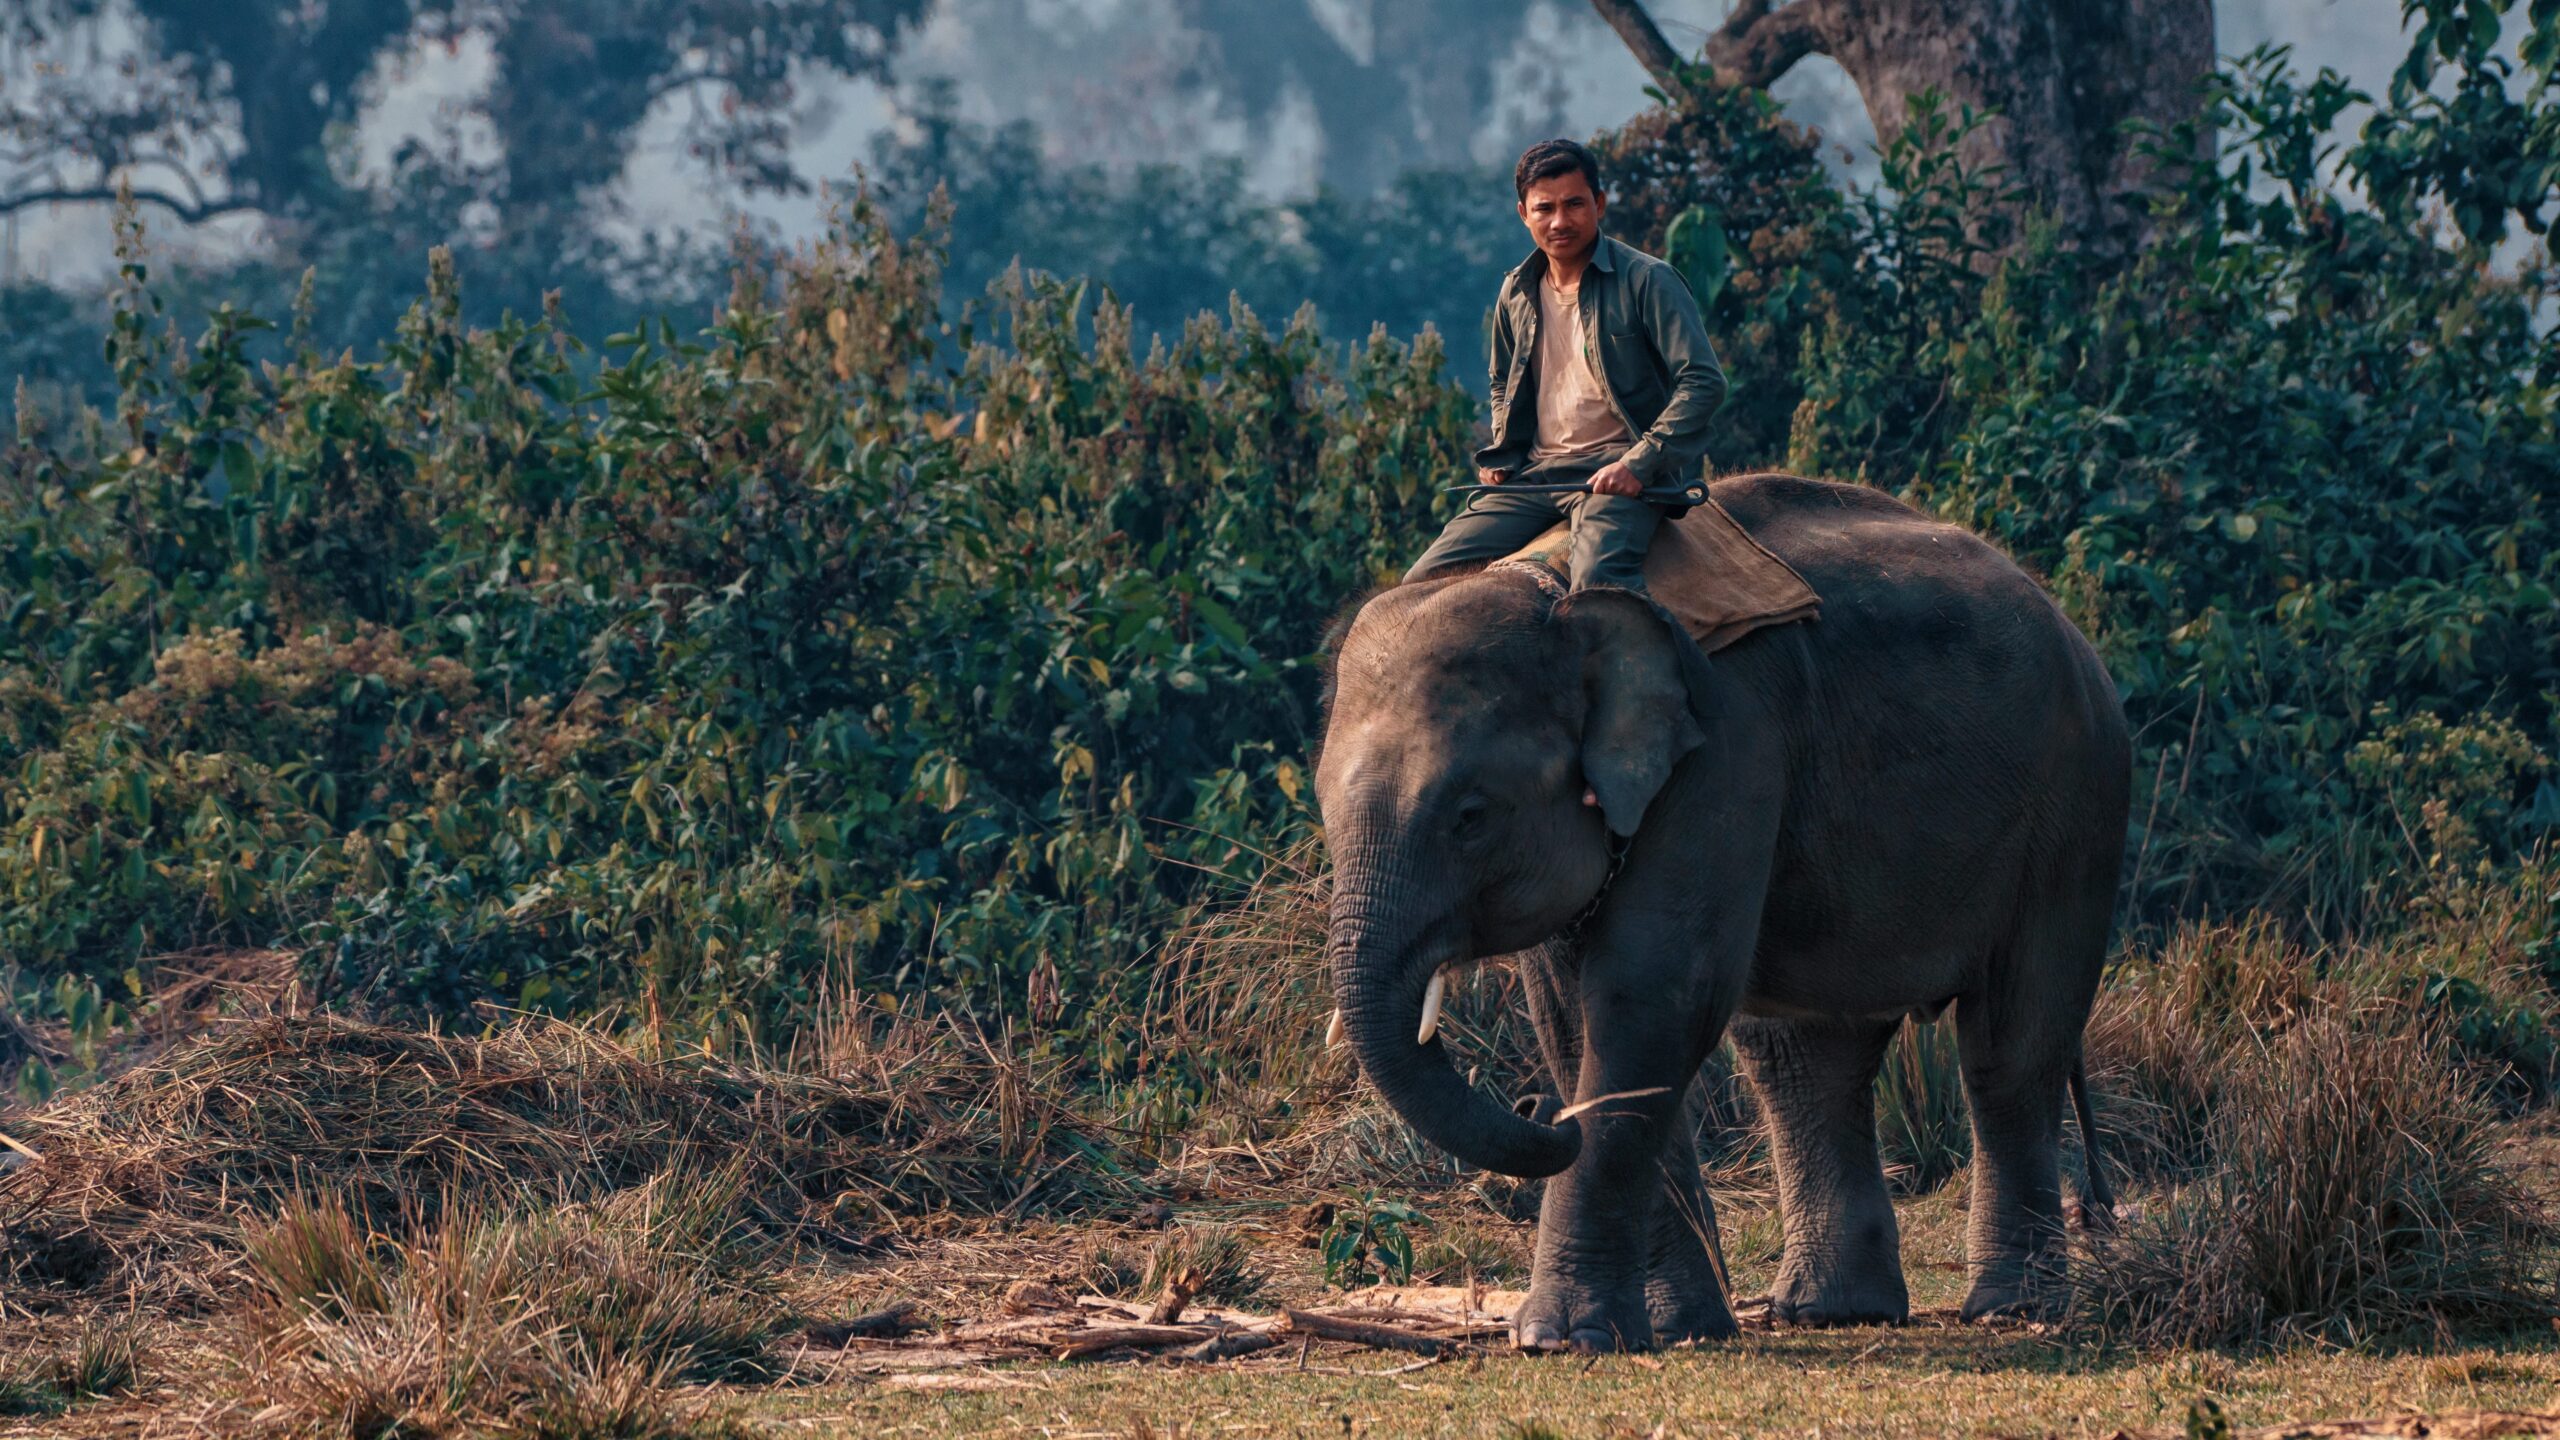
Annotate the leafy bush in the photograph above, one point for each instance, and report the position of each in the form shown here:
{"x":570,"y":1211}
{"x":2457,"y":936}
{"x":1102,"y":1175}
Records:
{"x":2290,"y":471}
{"x":1369,"y":1242}
{"x":965,"y":655}
{"x":519,"y":689}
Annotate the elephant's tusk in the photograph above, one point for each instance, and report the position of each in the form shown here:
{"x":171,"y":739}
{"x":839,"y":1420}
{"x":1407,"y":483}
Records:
{"x":1431,"y":1006}
{"x":1333,"y":1031}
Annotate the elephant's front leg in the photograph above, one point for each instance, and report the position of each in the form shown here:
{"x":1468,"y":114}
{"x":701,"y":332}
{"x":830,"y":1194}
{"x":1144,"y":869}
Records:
{"x":1685,"y":1285}
{"x":1648,"y":1020}
{"x":1595,"y":1223}
{"x":1685,"y":1295}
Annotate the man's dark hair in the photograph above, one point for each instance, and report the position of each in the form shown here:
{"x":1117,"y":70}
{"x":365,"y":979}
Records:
{"x":1549,"y":158}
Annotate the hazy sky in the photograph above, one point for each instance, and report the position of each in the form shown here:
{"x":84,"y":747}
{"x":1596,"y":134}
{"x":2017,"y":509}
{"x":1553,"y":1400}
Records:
{"x":1068,"y":65}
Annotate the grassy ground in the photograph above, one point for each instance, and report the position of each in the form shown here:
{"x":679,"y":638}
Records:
{"x":1935,"y":1377}
{"x":1926,"y":1380}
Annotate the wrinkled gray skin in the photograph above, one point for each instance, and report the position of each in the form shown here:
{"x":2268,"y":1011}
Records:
{"x":1915,"y":801}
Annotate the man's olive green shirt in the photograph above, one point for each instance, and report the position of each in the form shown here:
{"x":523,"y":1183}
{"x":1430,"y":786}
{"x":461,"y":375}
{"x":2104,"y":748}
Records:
{"x":1641,"y":334}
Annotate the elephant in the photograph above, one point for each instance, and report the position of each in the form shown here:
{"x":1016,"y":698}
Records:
{"x":1917,"y":800}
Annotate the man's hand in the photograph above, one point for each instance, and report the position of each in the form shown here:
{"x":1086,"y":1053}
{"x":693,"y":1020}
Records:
{"x":1615,"y":478}
{"x":1492,"y":477}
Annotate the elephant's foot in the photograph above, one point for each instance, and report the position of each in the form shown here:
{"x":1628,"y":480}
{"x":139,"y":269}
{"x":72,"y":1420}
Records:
{"x":1586,"y":1319}
{"x":1682,"y":1314}
{"x":2035,"y":1291}
{"x":1682,"y":1293}
{"x":1862,"y":1295}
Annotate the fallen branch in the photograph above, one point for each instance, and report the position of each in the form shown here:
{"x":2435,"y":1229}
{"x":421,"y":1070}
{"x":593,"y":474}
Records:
{"x":1096,"y":1338}
{"x":1232,"y":1344}
{"x":1422,"y":1319}
{"x":1024,"y":1329}
{"x":1360,"y":1332}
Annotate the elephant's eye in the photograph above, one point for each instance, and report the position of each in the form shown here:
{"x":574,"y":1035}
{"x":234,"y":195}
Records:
{"x":1469,"y":819}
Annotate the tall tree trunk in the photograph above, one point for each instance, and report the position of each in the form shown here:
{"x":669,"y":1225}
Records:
{"x":2062,"y":78}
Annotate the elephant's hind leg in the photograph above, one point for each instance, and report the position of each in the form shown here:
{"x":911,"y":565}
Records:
{"x":1816,"y":1081}
{"x":2019,"y":1039}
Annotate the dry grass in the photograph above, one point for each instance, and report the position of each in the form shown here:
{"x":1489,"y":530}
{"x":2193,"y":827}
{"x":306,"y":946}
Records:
{"x":572,"y":1322}
{"x":2231,"y":1060}
{"x":1467,"y":1252}
{"x":2355,"y":1191}
{"x":546,"y":1232}
{"x":890,"y":1119}
{"x":1924,"y":1133}
{"x":2335,"y":1163}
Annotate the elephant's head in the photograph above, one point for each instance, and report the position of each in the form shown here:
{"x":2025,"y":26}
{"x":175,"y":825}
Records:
{"x":1468,"y":717}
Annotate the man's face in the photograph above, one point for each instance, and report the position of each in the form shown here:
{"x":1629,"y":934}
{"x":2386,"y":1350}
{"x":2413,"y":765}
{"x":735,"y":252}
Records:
{"x":1563,"y":215}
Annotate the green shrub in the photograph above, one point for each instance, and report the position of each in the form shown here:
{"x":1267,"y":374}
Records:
{"x":1370,"y":1242}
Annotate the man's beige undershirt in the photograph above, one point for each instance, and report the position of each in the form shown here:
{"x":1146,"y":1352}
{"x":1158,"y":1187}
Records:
{"x":1574,"y":416}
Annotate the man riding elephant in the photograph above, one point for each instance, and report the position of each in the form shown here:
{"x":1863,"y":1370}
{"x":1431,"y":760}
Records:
{"x":1602,"y":375}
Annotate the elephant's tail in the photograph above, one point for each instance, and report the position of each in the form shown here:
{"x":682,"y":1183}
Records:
{"x":2097,"y":1198}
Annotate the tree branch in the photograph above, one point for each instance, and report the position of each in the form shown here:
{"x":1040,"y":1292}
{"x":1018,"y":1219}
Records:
{"x":192,"y":214}
{"x":1635,"y":27}
{"x":1756,"y":44}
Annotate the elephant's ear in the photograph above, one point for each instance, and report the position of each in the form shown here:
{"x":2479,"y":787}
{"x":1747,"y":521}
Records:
{"x":1635,"y":722}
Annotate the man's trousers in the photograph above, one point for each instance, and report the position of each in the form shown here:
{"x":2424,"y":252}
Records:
{"x":1610,"y":532}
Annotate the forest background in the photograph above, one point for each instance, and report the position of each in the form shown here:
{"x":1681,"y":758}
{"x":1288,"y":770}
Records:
{"x":571,"y":631}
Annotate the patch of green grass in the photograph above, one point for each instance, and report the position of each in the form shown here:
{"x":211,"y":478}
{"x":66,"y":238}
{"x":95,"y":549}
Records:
{"x":103,"y":1360}
{"x":1924,"y":1134}
{"x":22,"y":1395}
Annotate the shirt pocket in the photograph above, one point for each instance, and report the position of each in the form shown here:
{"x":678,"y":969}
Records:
{"x":1632,"y":372}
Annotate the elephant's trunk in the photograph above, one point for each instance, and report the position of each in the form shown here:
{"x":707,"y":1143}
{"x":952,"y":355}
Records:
{"x":1381,"y":966}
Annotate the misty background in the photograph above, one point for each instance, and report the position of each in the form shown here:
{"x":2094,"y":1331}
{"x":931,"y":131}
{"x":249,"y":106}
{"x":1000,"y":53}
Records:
{"x":1350,"y":153}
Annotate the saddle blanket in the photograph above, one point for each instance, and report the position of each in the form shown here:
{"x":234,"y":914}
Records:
{"x":1708,"y":572}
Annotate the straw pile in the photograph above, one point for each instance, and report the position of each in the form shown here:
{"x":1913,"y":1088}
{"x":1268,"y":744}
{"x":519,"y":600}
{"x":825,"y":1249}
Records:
{"x":169,"y":1162}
